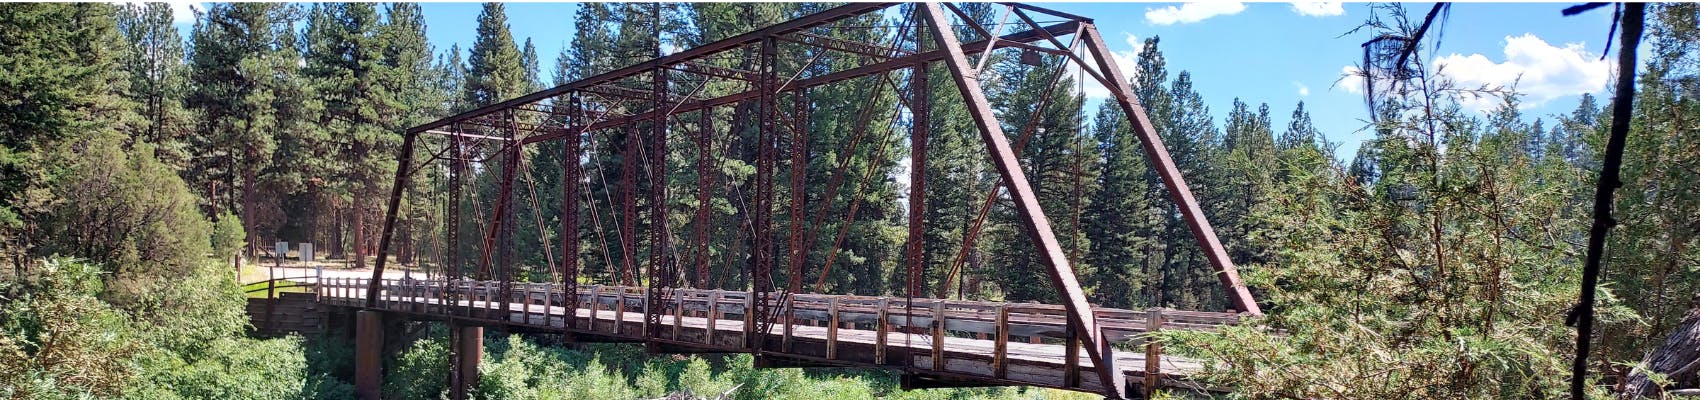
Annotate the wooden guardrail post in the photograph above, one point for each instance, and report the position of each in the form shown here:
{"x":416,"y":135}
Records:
{"x":790,"y":319}
{"x":938,"y":335}
{"x":619,"y":308}
{"x":832,"y":328}
{"x":1000,"y":350}
{"x":595,"y":306}
{"x":713,"y":315}
{"x":678,"y":313}
{"x":1071,"y":356}
{"x":549,"y":303}
{"x":1153,"y":351}
{"x":750,"y":321}
{"x":879,"y":331}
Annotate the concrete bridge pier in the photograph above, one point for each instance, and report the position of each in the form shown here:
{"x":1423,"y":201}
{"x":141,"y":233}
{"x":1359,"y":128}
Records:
{"x":468,"y":345}
{"x":368,"y":354}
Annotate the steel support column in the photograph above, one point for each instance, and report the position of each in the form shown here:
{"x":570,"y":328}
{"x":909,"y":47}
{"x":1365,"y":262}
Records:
{"x":799,"y":191}
{"x":628,"y":205}
{"x":1031,"y":215}
{"x":660,"y":245}
{"x":761,"y":273}
{"x":920,"y":111}
{"x":1171,"y":176}
{"x":705,"y":191}
{"x":571,"y":172}
{"x":505,"y":215}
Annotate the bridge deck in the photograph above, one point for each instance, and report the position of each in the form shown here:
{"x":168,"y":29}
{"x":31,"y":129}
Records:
{"x":979,"y":343}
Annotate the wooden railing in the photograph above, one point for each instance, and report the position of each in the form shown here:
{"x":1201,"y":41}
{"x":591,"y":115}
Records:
{"x":929,"y":333}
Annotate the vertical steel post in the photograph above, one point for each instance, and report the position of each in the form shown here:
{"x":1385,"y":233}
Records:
{"x":799,"y":193}
{"x":920,"y":121}
{"x":761,"y":274}
{"x":1031,"y":215}
{"x":571,"y":172}
{"x":1171,"y":175}
{"x":799,"y":190}
{"x":505,"y":213}
{"x":628,"y":205}
{"x":661,"y":271}
{"x":705,"y":185}
{"x":457,"y":166}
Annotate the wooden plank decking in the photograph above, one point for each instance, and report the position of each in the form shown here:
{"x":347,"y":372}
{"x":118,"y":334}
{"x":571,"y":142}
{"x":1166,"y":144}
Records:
{"x":978,"y":343}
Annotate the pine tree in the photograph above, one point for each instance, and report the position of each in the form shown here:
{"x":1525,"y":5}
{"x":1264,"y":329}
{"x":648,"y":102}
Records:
{"x":155,"y":61}
{"x":243,"y":66}
{"x":495,"y":71}
{"x":59,"y":84}
{"x":1120,"y":221}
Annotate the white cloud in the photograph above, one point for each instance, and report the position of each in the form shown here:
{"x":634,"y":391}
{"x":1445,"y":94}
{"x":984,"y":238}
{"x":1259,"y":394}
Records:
{"x":1319,"y":9}
{"x":1191,"y":12}
{"x":1539,"y":71}
{"x":1351,"y":80}
{"x":1303,"y":90}
{"x":1126,"y":61}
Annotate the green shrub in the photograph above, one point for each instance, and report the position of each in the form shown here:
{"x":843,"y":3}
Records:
{"x":123,"y":209}
{"x":57,"y":340}
{"x":420,"y":371}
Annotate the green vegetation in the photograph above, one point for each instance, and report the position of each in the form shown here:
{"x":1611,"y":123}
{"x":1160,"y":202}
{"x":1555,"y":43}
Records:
{"x":1439,"y":262}
{"x":518,"y":368}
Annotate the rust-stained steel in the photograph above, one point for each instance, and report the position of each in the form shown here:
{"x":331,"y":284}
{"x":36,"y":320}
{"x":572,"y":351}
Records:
{"x":636,"y":102}
{"x":401,"y":179}
{"x":628,"y":206}
{"x":973,"y":233}
{"x":661,"y":270}
{"x":1027,"y":204}
{"x":1172,"y":179}
{"x":842,"y":45}
{"x":571,"y":172}
{"x":799,"y":192}
{"x":761,"y":271}
{"x":705,"y":193}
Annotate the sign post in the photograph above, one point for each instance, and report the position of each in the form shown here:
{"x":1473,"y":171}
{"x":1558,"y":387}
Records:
{"x":304,"y":252}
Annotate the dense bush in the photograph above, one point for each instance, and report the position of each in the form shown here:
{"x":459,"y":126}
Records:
{"x":59,"y":339}
{"x":123,"y":209}
{"x":518,"y":368}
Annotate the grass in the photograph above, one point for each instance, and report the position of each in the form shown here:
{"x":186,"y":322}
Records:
{"x":257,"y":290}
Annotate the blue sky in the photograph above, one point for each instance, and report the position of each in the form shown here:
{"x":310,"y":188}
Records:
{"x":1278,"y":53}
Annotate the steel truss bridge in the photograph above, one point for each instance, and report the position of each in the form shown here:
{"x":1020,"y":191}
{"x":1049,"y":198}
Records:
{"x":762,"y":80}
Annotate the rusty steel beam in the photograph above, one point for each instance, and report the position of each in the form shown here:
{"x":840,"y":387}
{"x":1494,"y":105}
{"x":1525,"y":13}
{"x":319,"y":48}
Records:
{"x":842,"y":45}
{"x":505,"y":204}
{"x":1031,"y":215}
{"x":1013,"y":40}
{"x":1238,"y":294}
{"x":401,"y":178}
{"x":761,"y":227}
{"x":628,"y":206}
{"x":919,"y":125}
{"x":705,"y":190}
{"x":1047,"y":11}
{"x":806,"y":22}
{"x":799,"y":191}
{"x":660,"y":245}
{"x":696,"y":67}
{"x":571,"y":172}
{"x":899,"y":63}
{"x":457,"y":172}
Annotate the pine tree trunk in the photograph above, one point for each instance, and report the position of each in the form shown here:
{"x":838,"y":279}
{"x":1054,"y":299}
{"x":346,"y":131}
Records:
{"x":359,"y":214}
{"x":1677,"y":359}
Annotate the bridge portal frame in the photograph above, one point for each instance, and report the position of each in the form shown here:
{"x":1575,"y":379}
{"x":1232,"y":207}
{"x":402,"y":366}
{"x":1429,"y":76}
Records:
{"x":651,"y":92}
